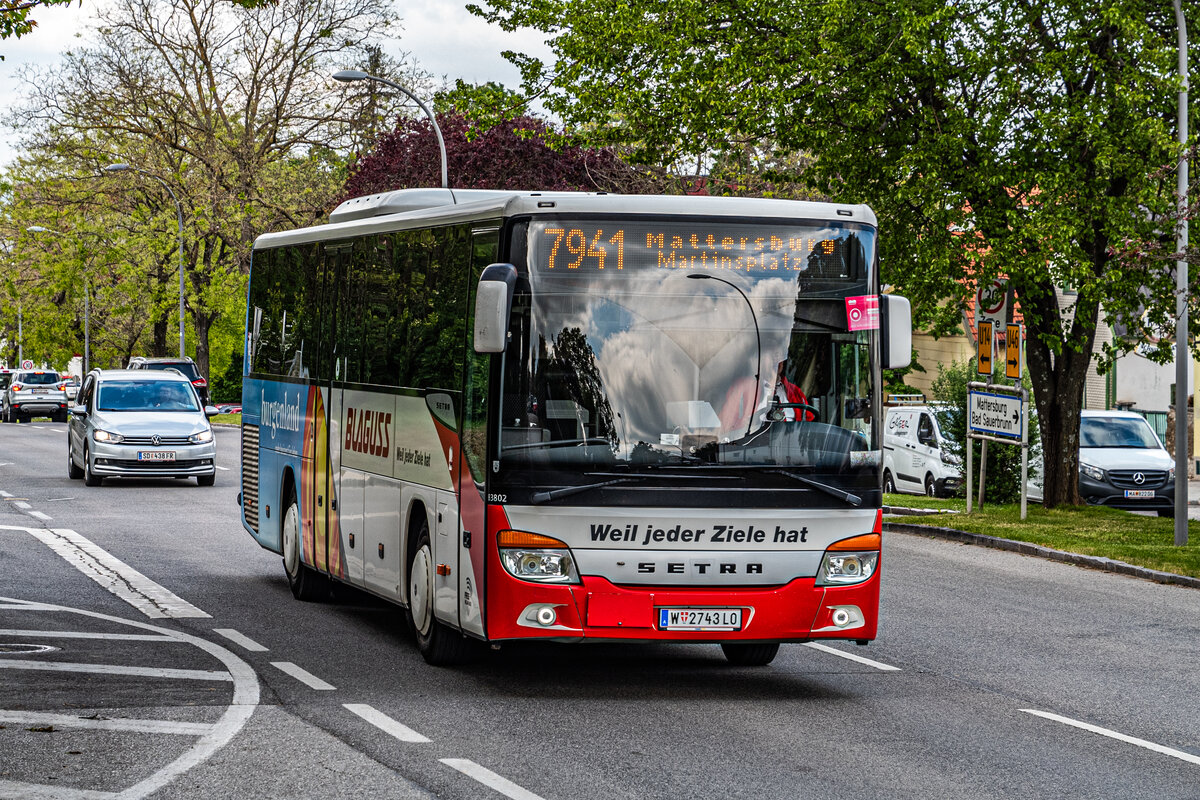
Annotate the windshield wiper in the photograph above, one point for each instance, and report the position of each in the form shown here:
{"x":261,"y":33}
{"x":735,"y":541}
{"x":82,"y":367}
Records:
{"x":840,"y":494}
{"x":537,"y":498}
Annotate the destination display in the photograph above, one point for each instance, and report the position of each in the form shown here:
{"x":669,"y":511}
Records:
{"x":830,"y":252}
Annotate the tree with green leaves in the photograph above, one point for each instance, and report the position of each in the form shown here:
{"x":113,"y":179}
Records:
{"x":1006,"y":138}
{"x":233,"y":108}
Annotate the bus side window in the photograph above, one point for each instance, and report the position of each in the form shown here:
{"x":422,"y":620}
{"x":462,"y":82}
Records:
{"x":484,"y":250}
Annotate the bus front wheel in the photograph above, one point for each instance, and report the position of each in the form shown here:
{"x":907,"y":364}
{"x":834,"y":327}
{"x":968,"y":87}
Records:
{"x":749,"y":655}
{"x":439,"y":644}
{"x":305,"y":583}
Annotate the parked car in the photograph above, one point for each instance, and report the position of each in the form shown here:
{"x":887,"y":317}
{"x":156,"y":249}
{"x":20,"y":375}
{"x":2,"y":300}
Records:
{"x":35,"y":393}
{"x":230,"y":408}
{"x":70,"y":386}
{"x":1122,"y":463}
{"x":185,"y":365}
{"x":915,"y":457}
{"x":5,"y":379}
{"x":140,"y":423}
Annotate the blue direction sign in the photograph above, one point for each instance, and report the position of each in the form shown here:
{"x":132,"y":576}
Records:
{"x":994,"y":414}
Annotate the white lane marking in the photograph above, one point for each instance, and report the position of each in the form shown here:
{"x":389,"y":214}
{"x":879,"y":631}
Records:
{"x":236,"y":714}
{"x":116,"y":637}
{"x":302,"y":675}
{"x":115,"y":575}
{"x":488,"y":778}
{"x":4,"y":493}
{"x":223,"y":469}
{"x":843,"y":654}
{"x":384,"y":722}
{"x":41,"y":515}
{"x":122,"y":724}
{"x":241,"y":638}
{"x":33,"y":791}
{"x":21,"y":504}
{"x":1121,"y":737}
{"x":117,"y":669}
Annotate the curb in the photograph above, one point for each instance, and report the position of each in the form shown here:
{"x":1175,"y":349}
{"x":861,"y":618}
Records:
{"x":1027,"y":549}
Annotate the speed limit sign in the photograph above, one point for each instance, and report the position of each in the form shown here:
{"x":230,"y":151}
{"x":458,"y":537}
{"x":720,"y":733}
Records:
{"x":27,"y":364}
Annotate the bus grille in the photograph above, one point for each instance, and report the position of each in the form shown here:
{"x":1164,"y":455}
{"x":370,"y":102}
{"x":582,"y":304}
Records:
{"x":250,"y":475}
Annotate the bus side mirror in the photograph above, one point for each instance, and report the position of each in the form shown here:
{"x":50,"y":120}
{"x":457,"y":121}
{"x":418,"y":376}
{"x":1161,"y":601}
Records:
{"x":493,"y":304}
{"x":897,"y":331}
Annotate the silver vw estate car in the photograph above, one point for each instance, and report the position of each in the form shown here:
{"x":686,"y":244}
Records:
{"x":140,"y":423}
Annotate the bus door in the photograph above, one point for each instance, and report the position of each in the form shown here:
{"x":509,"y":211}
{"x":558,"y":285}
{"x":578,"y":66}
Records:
{"x":472,"y":467}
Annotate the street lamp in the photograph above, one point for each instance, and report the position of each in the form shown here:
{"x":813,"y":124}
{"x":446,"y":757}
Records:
{"x":757,"y":338}
{"x":348,"y":75}
{"x":87,"y":338}
{"x":112,"y":169}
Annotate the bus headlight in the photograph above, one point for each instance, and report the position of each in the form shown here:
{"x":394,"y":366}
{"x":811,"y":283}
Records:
{"x":537,"y":558}
{"x":846,"y":564}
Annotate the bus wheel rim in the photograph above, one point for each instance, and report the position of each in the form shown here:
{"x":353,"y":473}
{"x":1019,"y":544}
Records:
{"x":419,"y":593}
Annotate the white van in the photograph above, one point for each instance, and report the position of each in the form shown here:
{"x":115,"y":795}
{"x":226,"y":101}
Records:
{"x":915,"y":459}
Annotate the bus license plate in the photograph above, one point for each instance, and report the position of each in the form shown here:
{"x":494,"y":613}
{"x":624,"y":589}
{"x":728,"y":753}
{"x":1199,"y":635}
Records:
{"x":699,"y":619}
{"x":156,"y":455}
{"x":1139,"y":493}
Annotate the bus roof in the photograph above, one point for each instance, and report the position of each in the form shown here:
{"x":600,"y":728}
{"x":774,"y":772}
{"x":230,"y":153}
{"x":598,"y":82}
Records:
{"x":413,"y":208}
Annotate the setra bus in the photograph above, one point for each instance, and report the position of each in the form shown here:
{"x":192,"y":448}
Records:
{"x":576,"y":417}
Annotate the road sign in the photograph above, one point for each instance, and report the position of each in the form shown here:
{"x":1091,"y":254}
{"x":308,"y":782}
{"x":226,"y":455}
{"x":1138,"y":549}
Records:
{"x":987,"y":347}
{"x":27,"y":364}
{"x":994,"y":414}
{"x":1012,"y":351}
{"x":991,"y":301}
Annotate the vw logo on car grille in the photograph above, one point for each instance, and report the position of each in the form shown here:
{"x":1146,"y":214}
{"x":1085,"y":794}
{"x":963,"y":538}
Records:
{"x":156,"y":441}
{"x":1138,"y":477}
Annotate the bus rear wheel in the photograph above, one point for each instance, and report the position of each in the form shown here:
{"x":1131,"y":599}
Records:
{"x":438,"y":644}
{"x":305,"y":582}
{"x":749,"y":655}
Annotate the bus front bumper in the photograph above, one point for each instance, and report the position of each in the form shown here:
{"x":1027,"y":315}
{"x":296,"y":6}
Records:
{"x":598,"y":610}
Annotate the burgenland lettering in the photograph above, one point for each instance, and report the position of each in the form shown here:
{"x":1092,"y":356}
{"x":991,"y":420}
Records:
{"x":280,"y":415}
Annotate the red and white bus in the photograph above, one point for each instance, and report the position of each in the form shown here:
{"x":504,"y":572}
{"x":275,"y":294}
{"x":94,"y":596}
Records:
{"x":576,"y":417}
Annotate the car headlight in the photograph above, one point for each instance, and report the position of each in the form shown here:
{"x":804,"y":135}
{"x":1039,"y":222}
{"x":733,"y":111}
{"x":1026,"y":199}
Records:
{"x":107,"y":436}
{"x":536,"y":558}
{"x":1095,"y":473}
{"x":846,"y":562}
{"x":201,"y":437}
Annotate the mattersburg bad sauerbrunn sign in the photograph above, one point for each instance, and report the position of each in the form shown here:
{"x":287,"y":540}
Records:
{"x":994,"y":414}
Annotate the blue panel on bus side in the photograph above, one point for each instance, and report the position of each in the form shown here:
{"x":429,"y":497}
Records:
{"x":279,"y":410}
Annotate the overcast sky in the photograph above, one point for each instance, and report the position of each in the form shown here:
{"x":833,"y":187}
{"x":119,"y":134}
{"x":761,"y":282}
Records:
{"x":434,"y":32}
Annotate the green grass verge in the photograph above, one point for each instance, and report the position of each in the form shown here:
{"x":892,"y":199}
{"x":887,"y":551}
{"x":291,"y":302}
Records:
{"x":235,"y":419}
{"x":1132,"y":538}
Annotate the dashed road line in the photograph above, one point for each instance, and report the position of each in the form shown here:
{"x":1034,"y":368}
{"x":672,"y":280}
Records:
{"x":490,"y":779}
{"x":117,"y":669}
{"x":303,"y":675}
{"x":385,"y":723}
{"x":241,"y":639}
{"x":1121,"y":737}
{"x":44,"y":517}
{"x":852,"y":657}
{"x":115,"y":575}
{"x":165,"y":726}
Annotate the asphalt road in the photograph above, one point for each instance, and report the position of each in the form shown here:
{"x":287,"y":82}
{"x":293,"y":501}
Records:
{"x":149,"y":648}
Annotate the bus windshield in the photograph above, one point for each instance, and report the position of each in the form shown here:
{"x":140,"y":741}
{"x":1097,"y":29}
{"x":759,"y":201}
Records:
{"x":691,"y":344}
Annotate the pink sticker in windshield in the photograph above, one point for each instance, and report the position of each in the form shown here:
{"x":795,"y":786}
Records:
{"x":862,"y":312}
